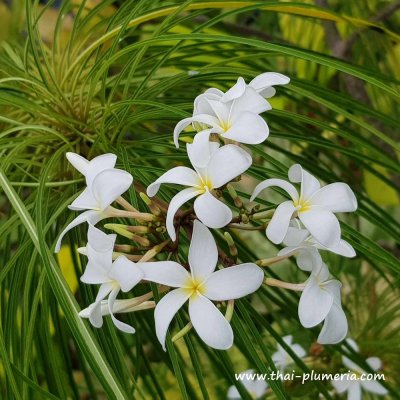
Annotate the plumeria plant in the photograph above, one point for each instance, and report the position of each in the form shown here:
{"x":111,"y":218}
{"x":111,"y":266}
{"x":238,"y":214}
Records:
{"x":211,"y":280}
{"x":311,"y":214}
{"x":173,"y":212}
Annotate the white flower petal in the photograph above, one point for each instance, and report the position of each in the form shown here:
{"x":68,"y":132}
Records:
{"x":287,"y":250}
{"x":85,"y":201}
{"x":213,"y":91}
{"x":109,"y":184}
{"x":201,"y":104}
{"x":222,"y":111}
{"x":203,"y":253}
{"x":99,"y":252}
{"x":120,"y":325}
{"x":227,"y":163}
{"x":233,"y":393}
{"x":322,"y":224}
{"x":91,"y":215}
{"x":165,"y":310}
{"x":315,"y":303}
{"x":268,"y":92}
{"x":79,"y":163}
{"x":280,"y":358}
{"x":351,"y":342}
{"x":374,"y":362}
{"x":278,"y":226}
{"x":97,"y":268}
{"x":178,"y":175}
{"x":321,"y":272}
{"x":168,"y":273}
{"x":200,"y":118}
{"x":250,"y":101}
{"x":235,"y":91}
{"x":288,"y":339}
{"x":100,"y":241}
{"x":248,"y":128}
{"x":176,"y":202}
{"x":298,"y":350}
{"x":263,"y":82}
{"x":335,"y":326}
{"x":126,"y":273}
{"x":212,"y":212}
{"x":104,"y":290}
{"x":336,"y":197}
{"x":343,"y":248}
{"x":341,"y":385}
{"x":199,"y":152}
{"x":295,"y":236}
{"x":374,"y":387}
{"x":351,"y":365}
{"x":307,"y":257}
{"x":309,"y":184}
{"x":95,"y":316}
{"x":233,"y":282}
{"x":286,"y":186}
{"x":99,"y":164}
{"x":86,"y":311}
{"x":354,"y":391}
{"x":209,"y":323}
{"x":346,"y":361}
{"x":259,"y":387}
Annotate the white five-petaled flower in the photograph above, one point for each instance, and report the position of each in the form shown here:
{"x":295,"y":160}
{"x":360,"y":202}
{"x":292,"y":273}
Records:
{"x":255,"y":387}
{"x":235,"y":114}
{"x":281,"y":358}
{"x":300,"y":243}
{"x":214,"y":166}
{"x":321,"y":301}
{"x":201,"y":286}
{"x":104,"y":185}
{"x":122,"y":274}
{"x":315,"y":207}
{"x":354,"y":387}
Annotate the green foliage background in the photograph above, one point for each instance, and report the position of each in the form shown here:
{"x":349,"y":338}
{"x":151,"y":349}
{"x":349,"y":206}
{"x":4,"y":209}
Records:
{"x":115,"y":76}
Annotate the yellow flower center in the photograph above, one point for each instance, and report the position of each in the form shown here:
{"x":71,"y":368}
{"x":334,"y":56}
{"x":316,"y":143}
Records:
{"x":205,"y":185}
{"x":194,"y":287}
{"x":225,"y":125}
{"x":302,"y":205}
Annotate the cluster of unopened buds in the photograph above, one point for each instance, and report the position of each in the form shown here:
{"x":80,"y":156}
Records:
{"x":304,"y":224}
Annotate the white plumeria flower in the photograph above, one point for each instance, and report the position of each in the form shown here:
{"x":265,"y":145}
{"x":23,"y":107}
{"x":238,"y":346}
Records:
{"x":281,"y":358}
{"x":302,"y":244}
{"x":104,"y":185}
{"x":321,"y":301}
{"x":234,"y":114}
{"x":201,"y":286}
{"x":214,"y":166}
{"x":122,"y":274}
{"x":315,"y":206}
{"x":354,"y":388}
{"x":255,"y":387}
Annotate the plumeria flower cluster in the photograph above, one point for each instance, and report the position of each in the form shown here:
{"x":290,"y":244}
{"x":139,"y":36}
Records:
{"x":211,"y":280}
{"x":306,"y":224}
{"x":352,"y":383}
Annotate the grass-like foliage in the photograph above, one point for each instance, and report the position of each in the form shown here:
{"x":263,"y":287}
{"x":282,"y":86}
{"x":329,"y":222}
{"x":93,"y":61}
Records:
{"x":93,"y":77}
